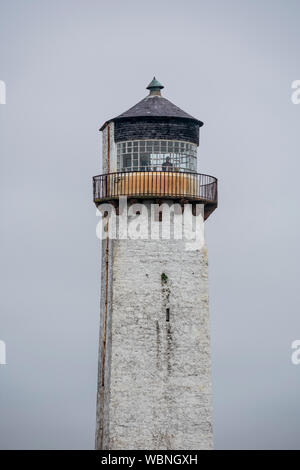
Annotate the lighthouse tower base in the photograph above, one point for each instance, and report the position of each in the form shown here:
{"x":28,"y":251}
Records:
{"x":154,"y":389}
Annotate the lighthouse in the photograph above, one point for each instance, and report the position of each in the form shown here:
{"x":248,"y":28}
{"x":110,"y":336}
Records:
{"x":154,"y":372}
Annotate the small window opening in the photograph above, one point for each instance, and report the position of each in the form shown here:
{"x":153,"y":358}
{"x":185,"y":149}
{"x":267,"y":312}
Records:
{"x":167,"y":314}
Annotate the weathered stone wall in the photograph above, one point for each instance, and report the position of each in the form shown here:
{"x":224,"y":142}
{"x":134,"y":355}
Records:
{"x":104,"y":149}
{"x":112,"y":149}
{"x":157,"y":391}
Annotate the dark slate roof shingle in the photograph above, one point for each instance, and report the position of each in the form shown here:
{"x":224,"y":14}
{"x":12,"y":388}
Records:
{"x":155,"y":106}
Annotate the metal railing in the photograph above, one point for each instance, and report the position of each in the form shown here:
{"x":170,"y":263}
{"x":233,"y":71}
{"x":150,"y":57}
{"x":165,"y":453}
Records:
{"x":168,"y":184}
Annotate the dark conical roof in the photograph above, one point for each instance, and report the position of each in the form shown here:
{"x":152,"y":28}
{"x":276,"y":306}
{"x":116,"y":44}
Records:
{"x":155,"y":105}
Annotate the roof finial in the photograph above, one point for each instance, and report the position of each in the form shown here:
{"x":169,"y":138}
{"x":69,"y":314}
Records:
{"x":155,"y":87}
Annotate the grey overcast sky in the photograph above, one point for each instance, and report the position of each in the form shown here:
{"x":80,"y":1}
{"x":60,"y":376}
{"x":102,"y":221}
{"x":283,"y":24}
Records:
{"x":69,"y":65}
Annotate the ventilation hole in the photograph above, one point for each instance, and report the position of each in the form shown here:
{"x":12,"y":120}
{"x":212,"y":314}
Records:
{"x":167,"y":314}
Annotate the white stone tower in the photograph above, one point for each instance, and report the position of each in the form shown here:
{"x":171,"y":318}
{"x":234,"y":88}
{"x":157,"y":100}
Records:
{"x":154,"y":389}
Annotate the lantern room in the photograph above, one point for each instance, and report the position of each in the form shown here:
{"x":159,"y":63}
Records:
{"x":151,"y":151}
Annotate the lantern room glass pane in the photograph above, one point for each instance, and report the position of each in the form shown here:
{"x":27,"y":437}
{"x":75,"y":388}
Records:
{"x":156,"y":155}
